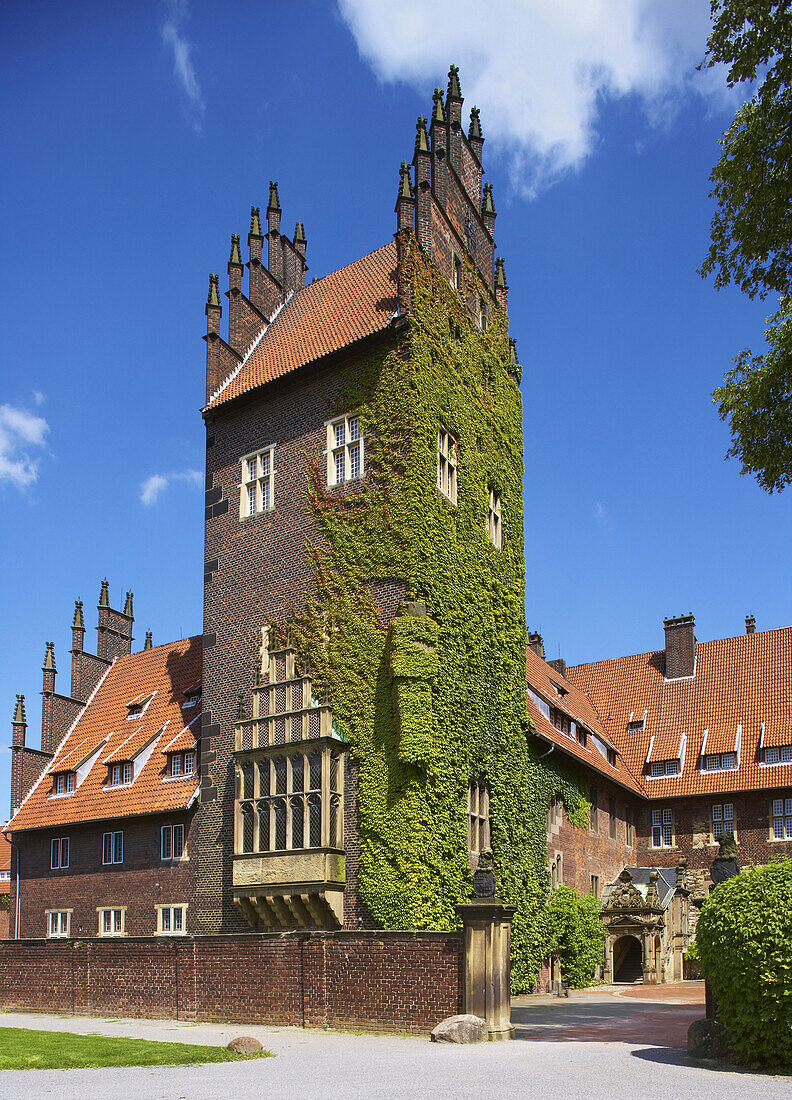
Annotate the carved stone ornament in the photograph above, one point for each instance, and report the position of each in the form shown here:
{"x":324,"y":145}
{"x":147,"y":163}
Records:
{"x":484,"y":876}
{"x":624,"y":894}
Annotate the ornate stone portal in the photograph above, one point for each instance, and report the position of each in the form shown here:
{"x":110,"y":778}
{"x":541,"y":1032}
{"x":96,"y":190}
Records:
{"x":645,"y":913}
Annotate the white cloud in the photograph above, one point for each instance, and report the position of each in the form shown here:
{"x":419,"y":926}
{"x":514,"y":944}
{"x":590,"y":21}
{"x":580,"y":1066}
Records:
{"x":20,"y":433}
{"x":154,"y":486}
{"x":540,"y":69}
{"x":38,"y":397}
{"x":182,"y":63}
{"x":600,"y":515}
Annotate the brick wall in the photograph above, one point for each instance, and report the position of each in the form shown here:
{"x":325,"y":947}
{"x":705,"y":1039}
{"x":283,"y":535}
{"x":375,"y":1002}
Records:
{"x":375,"y":981}
{"x":142,"y":881}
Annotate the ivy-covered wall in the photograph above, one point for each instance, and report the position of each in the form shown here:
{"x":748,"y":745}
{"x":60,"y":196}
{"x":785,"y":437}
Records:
{"x":433,"y":700}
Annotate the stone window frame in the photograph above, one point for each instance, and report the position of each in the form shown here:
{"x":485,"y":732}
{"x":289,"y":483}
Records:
{"x":114,"y":915}
{"x":783,"y":817}
{"x":663,"y":819}
{"x":349,"y":447}
{"x":478,"y":816}
{"x":448,"y":464}
{"x":557,"y":870}
{"x":171,"y":909}
{"x":495,"y":520}
{"x":59,"y":914}
{"x":595,"y":885}
{"x":59,"y":861}
{"x":112,"y":845}
{"x":289,"y":810}
{"x":257,"y":475}
{"x":169,"y":845}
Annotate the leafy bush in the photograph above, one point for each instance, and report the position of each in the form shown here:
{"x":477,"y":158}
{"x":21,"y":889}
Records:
{"x":575,"y":933}
{"x":744,"y":938}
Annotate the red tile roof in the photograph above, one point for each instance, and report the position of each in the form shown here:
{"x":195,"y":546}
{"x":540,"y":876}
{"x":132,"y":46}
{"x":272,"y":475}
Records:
{"x":741,"y":681}
{"x":325,"y":316}
{"x":103,"y":732}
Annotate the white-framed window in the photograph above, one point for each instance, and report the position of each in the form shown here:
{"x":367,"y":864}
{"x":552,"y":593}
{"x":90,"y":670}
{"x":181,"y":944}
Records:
{"x":494,"y":523}
{"x":5,"y":876}
{"x":483,"y":315}
{"x":478,"y":816}
{"x":723,"y":819}
{"x":171,"y":920}
{"x":258,"y":483}
{"x":345,"y":450}
{"x":172,"y":841}
{"x":662,"y":828}
{"x":59,"y":853}
{"x":120,"y":775}
{"x":111,"y":922}
{"x":64,"y":783}
{"x":113,"y":847}
{"x":719,"y":761}
{"x":664,"y":767}
{"x":781,"y":755}
{"x":447,"y":462}
{"x":58,"y":923}
{"x":191,"y":701}
{"x":636,"y":726}
{"x":781,"y":815}
{"x":458,"y":279}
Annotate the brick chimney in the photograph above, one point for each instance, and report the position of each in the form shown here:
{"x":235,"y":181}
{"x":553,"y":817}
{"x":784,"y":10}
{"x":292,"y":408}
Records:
{"x":559,"y":664}
{"x":750,"y":624}
{"x":47,"y":691}
{"x":536,"y":643}
{"x":680,"y":646}
{"x":18,"y":731}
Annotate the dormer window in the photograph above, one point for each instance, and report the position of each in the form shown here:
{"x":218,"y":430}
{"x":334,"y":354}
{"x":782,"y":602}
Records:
{"x":138,"y":707}
{"x":659,"y":768}
{"x":192,"y":701}
{"x":581,"y":735}
{"x":63,"y":783}
{"x":719,"y":761}
{"x":182,"y":763}
{"x":560,"y":721}
{"x":120,"y":775}
{"x":612,"y":757}
{"x":636,"y":726}
{"x":781,"y":755}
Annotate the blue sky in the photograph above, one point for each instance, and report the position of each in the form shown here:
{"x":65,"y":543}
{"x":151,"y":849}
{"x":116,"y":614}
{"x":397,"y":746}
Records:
{"x":136,"y":137}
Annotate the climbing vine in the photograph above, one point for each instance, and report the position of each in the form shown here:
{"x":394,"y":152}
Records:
{"x":436,"y":698}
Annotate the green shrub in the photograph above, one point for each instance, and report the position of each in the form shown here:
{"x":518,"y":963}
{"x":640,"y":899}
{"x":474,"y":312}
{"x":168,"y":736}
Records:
{"x":575,"y":933}
{"x":744,"y":939}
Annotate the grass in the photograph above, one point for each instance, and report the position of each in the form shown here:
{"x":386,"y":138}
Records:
{"x":24,"y":1048}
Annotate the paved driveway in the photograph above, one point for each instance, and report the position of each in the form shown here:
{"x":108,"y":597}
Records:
{"x":595,"y":1046}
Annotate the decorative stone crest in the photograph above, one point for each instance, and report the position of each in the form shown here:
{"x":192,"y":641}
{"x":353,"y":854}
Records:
{"x":484,"y":876}
{"x":625,"y":895}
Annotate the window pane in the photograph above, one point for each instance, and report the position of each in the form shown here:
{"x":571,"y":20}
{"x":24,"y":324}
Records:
{"x":167,"y":841}
{"x":297,"y":823}
{"x":178,"y":919}
{"x":667,"y":837}
{"x":338,"y":430}
{"x":176,"y":764}
{"x":297,"y":772}
{"x":315,"y":771}
{"x":178,"y":841}
{"x":247,"y":779}
{"x":778,"y":807}
{"x":335,"y":822}
{"x":107,"y":849}
{"x":166,"y":919}
{"x":64,"y":923}
{"x":106,"y":918}
{"x":189,"y":763}
{"x":771,"y":756}
{"x":354,"y":461}
{"x":787,"y":808}
{"x":280,"y":825}
{"x":728,"y":812}
{"x":252,"y":468}
{"x":315,"y":821}
{"x":657,"y":817}
{"x":354,"y":428}
{"x":265,"y":463}
{"x":280,"y":775}
{"x":264,"y":823}
{"x":778,"y":828}
{"x":339,"y":467}
{"x":118,"y":847}
{"x":656,"y":836}
{"x":667,"y":818}
{"x":786,"y":755}
{"x":247,"y":829}
{"x":265,"y":495}
{"x":117,"y":920}
{"x":53,"y":924}
{"x":251,"y":499}
{"x":717,"y":812}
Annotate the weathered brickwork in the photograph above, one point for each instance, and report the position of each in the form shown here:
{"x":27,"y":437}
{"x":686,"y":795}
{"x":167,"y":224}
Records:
{"x":374,"y":981}
{"x":138,"y":884}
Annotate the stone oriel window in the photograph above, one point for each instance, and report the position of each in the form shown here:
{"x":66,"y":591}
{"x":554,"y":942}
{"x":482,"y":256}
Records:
{"x":345,"y":450}
{"x":478,"y":816}
{"x":258,"y":483}
{"x":447,"y":462}
{"x":494,"y":522}
{"x":662,"y":828}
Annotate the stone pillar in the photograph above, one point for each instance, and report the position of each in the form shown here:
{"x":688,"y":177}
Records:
{"x":487,"y":929}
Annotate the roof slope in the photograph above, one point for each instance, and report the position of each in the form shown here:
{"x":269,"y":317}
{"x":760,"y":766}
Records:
{"x":545,"y":681}
{"x":5,"y":855}
{"x":325,"y":316}
{"x":741,"y":681}
{"x":103,"y":731}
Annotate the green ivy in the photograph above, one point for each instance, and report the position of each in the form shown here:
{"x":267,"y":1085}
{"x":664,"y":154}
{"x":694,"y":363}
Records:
{"x":436,"y":699}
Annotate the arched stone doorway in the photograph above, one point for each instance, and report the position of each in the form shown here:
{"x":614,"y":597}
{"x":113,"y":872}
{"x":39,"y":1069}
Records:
{"x":627,"y":959}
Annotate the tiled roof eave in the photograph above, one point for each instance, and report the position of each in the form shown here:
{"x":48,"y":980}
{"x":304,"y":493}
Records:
{"x":89,"y":820}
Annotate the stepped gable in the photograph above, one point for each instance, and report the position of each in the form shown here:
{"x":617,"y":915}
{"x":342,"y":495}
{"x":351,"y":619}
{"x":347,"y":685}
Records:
{"x":545,"y":682}
{"x":327,"y":315}
{"x":104,"y":733}
{"x":741,"y":681}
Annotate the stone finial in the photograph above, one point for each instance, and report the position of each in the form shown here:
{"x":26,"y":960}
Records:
{"x":128,"y":605}
{"x":299,"y":233}
{"x":213,"y":298}
{"x":500,"y":274}
{"x":438,"y":114}
{"x":49,"y":657}
{"x":488,"y":205}
{"x":405,"y":184}
{"x":149,"y":644}
{"x":421,"y":136}
{"x":274,"y":201}
{"x":236,"y":256}
{"x":454,"y":90}
{"x":104,"y":595}
{"x":241,"y":708}
{"x":19,"y":713}
{"x":78,"y":623}
{"x":255,"y":221}
{"x":474,"y":132}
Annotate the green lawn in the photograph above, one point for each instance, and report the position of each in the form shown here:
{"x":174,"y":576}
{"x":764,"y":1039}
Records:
{"x":24,"y":1048}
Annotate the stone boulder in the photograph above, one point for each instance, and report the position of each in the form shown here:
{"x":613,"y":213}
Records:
{"x":244,"y":1044}
{"x":707,"y":1039}
{"x":461,"y":1029}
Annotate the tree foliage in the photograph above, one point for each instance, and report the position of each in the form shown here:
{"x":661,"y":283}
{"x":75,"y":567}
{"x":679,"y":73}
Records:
{"x":751,"y":231}
{"x":744,"y":939}
{"x":575,"y":933}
